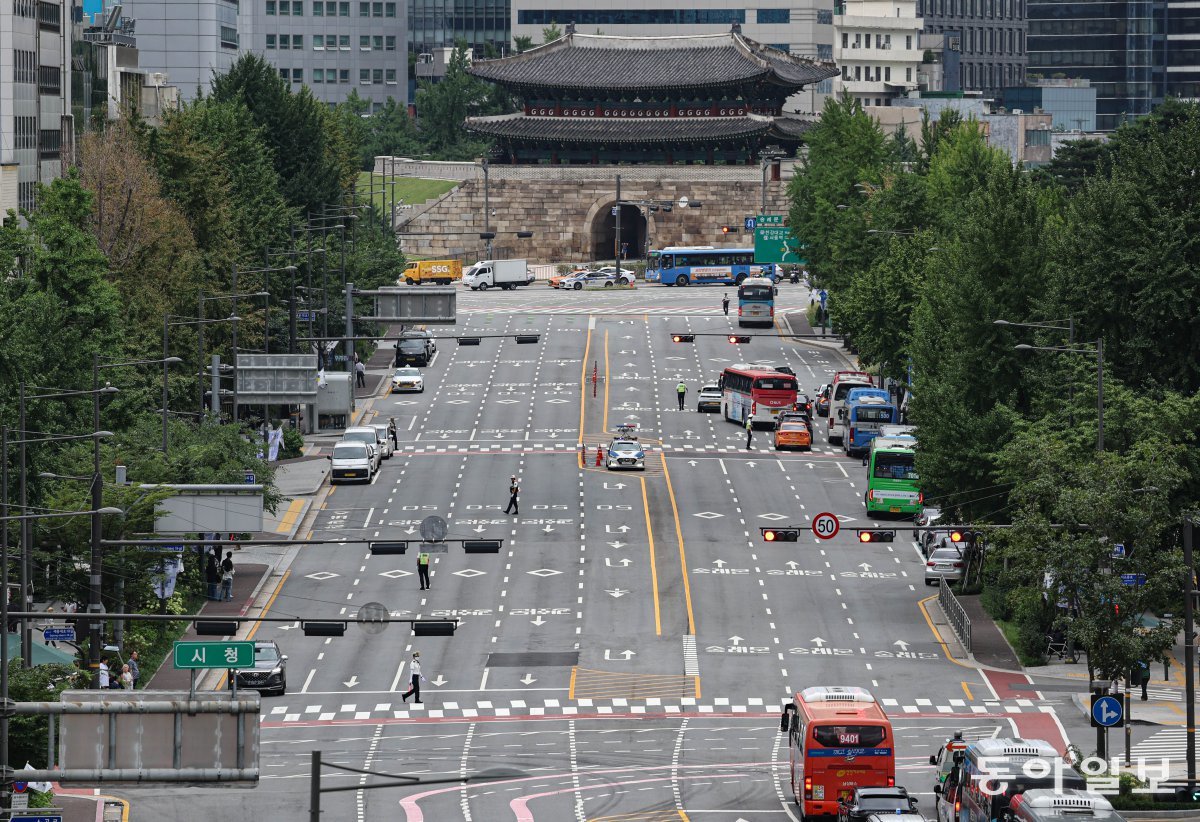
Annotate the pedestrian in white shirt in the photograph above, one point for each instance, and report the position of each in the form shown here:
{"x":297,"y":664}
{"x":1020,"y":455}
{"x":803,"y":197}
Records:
{"x":415,"y":670}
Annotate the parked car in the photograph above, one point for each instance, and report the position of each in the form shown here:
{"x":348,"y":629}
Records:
{"x":709,"y":399}
{"x":822,"y":403}
{"x":408,"y":378}
{"x":381,"y":428}
{"x":945,"y":564}
{"x":368,"y":435}
{"x":351,"y":461}
{"x":884,"y":801}
{"x":625,"y":452}
{"x":269,"y":672}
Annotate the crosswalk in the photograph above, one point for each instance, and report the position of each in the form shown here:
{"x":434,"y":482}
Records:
{"x":1169,"y":743}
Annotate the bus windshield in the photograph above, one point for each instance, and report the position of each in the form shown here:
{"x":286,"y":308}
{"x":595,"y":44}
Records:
{"x":894,"y":466}
{"x":775,"y":383}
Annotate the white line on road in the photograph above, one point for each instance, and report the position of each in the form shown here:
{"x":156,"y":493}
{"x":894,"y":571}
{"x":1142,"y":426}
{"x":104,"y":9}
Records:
{"x":396,"y":681}
{"x":842,"y":469}
{"x":307,"y":680}
{"x":483,"y":682}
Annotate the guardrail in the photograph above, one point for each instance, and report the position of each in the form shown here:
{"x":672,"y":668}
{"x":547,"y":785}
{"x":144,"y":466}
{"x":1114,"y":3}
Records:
{"x":955,"y":615}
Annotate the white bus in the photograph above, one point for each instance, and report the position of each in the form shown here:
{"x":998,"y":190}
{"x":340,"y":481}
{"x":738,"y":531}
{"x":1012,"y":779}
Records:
{"x":1072,"y":805}
{"x":1016,"y":765}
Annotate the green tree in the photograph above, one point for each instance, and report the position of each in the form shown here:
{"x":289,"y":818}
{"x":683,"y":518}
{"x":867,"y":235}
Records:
{"x":551,"y":33}
{"x":522,"y":43}
{"x":443,"y":106}
{"x":389,"y":132}
{"x":1073,"y":163}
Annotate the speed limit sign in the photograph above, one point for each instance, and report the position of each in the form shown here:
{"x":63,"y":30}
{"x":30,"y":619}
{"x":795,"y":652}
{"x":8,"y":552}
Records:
{"x":825,"y":526}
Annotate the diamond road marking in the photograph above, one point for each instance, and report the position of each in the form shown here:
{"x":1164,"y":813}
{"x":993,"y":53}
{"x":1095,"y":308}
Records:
{"x":772,"y":516}
{"x":556,"y":401}
{"x":544,"y":572}
{"x":456,"y":402}
{"x":320,"y":576}
{"x":469,"y":572}
{"x":708,"y":515}
{"x":405,"y":402}
{"x":395,"y":574}
{"x":506,"y":402}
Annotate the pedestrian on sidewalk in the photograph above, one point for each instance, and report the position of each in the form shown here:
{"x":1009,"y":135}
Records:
{"x":749,"y":430}
{"x":681,"y":393}
{"x":415,"y":671}
{"x":134,"y":668}
{"x":423,"y":570}
{"x":227,"y":577}
{"x":126,"y":679}
{"x":360,"y":374}
{"x":725,"y":303}
{"x":104,"y":674}
{"x":392,"y":433}
{"x":212,"y":575}
{"x":513,"y":490}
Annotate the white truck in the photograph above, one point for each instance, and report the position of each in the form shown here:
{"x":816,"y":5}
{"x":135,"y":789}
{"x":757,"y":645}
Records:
{"x":506,"y":274}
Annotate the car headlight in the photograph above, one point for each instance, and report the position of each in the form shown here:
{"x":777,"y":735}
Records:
{"x":612,"y":455}
{"x":276,"y":671}
{"x":641,"y":454}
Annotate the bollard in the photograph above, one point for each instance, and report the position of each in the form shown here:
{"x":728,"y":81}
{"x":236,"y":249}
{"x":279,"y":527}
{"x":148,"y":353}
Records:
{"x":599,"y":455}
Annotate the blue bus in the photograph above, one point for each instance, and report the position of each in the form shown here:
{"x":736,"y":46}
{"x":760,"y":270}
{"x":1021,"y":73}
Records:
{"x":685,"y":265}
{"x":867,"y":410}
{"x":756,"y":302}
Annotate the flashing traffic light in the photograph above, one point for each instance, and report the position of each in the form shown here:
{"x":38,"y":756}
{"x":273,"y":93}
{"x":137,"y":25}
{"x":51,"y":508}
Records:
{"x":739,"y":339}
{"x":683,"y":338}
{"x":780,"y":534}
{"x":729,"y":229}
{"x":875,"y":535}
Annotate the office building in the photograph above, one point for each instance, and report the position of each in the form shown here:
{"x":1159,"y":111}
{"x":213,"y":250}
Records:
{"x":36,"y":134}
{"x":990,"y":36}
{"x":1071,"y":103}
{"x":332,"y":46}
{"x":1182,"y":74}
{"x":482,"y":24}
{"x":1118,"y":46}
{"x":875,"y":46}
{"x":186,"y":40}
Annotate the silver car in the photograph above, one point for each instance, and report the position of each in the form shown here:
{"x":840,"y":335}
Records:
{"x":385,"y":441}
{"x":623,"y":453}
{"x":709,"y":399}
{"x":944,"y":565}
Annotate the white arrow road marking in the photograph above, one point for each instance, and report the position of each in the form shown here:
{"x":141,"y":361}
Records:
{"x":623,"y":562}
{"x":720,"y":563}
{"x":735,"y":640}
{"x":351,"y":682}
{"x":817,"y":641}
{"x":527,"y":679}
{"x":617,"y":544}
{"x":626,"y":654}
{"x":479,"y":529}
{"x":791,"y":563}
{"x":440,"y":681}
{"x":865,"y":566}
{"x":539,"y":621}
{"x":608,"y":529}
{"x":548,"y":529}
{"x":617,"y":593}
{"x":295,"y":624}
{"x":903,"y":645}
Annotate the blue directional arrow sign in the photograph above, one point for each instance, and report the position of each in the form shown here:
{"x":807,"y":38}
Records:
{"x":63,"y":634}
{"x":750,"y":223}
{"x":1133,"y":579}
{"x":1107,"y":712}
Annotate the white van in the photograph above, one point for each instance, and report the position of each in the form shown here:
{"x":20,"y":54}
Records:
{"x":368,"y":435}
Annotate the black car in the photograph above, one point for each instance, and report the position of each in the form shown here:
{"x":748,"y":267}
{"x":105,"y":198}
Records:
{"x":269,"y":673}
{"x":415,"y":350}
{"x":793,"y":416}
{"x":883,"y":801}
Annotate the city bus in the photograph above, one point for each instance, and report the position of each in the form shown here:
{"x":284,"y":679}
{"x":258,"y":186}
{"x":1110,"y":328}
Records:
{"x":705,"y":264}
{"x":1071,"y":805}
{"x":867,"y":410}
{"x":755,"y":391}
{"x":892,"y":482}
{"x":756,"y":302}
{"x":996,"y":770}
{"x":839,"y":739}
{"x":843,"y":382}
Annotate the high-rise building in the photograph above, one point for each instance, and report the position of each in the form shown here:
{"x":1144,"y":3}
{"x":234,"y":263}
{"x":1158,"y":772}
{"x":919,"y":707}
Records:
{"x":35,"y":97}
{"x":482,"y":24}
{"x":188,"y":40}
{"x":990,"y":40}
{"x":1182,"y":71}
{"x":1118,"y":46}
{"x":332,"y":46}
{"x":875,"y":45}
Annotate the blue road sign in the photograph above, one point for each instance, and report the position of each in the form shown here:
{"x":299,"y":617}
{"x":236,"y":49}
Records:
{"x":304,"y":316}
{"x":249,"y":477}
{"x":64,"y":634}
{"x":751,"y":223}
{"x":1118,"y":550}
{"x":20,"y":787}
{"x":823,"y":296}
{"x":1133,"y":579}
{"x":1107,"y":711}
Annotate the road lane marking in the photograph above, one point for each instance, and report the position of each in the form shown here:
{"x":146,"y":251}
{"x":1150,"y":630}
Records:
{"x":683,"y":566}
{"x":936,"y":634}
{"x":606,"y":381}
{"x":587,"y":348}
{"x":289,"y":517}
{"x":967,"y":691}
{"x":308,"y":680}
{"x":653,"y":565}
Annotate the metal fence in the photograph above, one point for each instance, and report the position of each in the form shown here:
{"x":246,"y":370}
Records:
{"x":955,"y":615}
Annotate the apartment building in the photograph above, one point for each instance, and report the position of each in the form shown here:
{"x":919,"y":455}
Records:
{"x":990,"y":36}
{"x":875,"y":45}
{"x":35,"y":97}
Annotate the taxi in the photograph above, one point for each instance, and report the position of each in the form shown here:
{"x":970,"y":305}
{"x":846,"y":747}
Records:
{"x":793,"y":433}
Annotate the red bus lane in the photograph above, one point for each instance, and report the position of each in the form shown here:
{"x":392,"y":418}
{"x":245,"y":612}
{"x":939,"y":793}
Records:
{"x":1041,"y":723}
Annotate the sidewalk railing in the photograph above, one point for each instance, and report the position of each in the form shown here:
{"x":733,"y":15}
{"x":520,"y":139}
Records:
{"x":955,"y":615}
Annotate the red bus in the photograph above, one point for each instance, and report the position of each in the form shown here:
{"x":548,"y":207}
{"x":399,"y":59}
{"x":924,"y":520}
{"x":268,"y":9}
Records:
{"x":758,"y":392}
{"x":839,"y":739}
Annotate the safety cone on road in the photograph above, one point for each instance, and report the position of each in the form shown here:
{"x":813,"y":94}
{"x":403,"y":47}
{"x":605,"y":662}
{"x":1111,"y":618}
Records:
{"x":599,"y":454}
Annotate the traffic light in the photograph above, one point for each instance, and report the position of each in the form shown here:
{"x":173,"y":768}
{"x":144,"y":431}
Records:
{"x":739,"y":339}
{"x":780,"y":534}
{"x":956,"y":537}
{"x":729,"y":229}
{"x":875,"y":535}
{"x":683,"y":338}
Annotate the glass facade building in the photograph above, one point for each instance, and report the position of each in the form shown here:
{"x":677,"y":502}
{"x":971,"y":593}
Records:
{"x":434,"y":24}
{"x":992,"y":41}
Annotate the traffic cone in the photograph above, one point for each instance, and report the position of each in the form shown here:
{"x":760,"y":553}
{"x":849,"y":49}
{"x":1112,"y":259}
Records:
{"x":599,"y":453}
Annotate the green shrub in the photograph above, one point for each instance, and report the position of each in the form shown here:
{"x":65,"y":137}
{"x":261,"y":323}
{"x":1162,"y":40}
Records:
{"x":994,"y":600}
{"x":293,"y":443}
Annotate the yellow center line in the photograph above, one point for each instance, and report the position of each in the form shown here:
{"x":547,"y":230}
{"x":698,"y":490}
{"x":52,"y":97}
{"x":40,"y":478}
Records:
{"x":587,"y":347}
{"x":687,"y":585}
{"x":606,"y":381}
{"x":254,"y":628}
{"x":967,"y":691}
{"x":653,"y":564}
{"x":571,"y":690}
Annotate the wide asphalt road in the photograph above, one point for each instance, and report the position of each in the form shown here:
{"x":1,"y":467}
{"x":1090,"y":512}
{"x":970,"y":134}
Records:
{"x":626,"y":654}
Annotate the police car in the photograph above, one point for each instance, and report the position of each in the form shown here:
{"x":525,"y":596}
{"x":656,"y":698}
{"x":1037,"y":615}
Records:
{"x":625,"y":452}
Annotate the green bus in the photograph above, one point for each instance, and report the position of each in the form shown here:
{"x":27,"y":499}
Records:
{"x":892,"y":486}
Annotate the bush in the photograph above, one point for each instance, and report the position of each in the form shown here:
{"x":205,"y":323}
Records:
{"x":293,"y":443}
{"x":994,"y":600}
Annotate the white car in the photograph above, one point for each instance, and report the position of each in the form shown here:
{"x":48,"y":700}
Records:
{"x":366,"y":434}
{"x":626,"y":276}
{"x":382,"y":429}
{"x":408,"y":378}
{"x":351,"y":461}
{"x":709,"y":399}
{"x":626,"y":453}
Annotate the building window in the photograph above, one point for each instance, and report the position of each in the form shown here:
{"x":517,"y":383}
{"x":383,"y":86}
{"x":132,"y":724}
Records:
{"x":364,"y":42}
{"x":389,"y":9}
{"x":270,"y":41}
{"x":824,"y":51}
{"x":391,"y":42}
{"x":824,"y":17}
{"x":285,"y":74}
{"x":229,"y":37}
{"x":25,"y":65}
{"x":318,"y":42}
{"x":298,"y":75}
{"x":285,"y":41}
{"x":364,"y":77}
{"x":845,"y":40}
{"x":49,"y":80}
{"x":270,"y":8}
{"x":887,"y":74}
{"x":285,"y":7}
{"x":319,"y":8}
{"x":344,"y":8}
{"x":26,"y":132}
{"x":858,"y":72}
{"x":774,"y":16}
{"x":297,"y":41}
{"x":330,"y":8}
{"x":632,"y":17}
{"x":377,"y":76}
{"x":318,"y":76}
{"x":364,"y":9}
{"x":377,"y":9}
{"x":908,"y":75}
{"x":377,"y":42}
{"x":344,"y":42}
{"x":908,"y":42}
{"x":390,"y":77}
{"x":297,"y":8}
{"x":49,"y":18}
{"x":26,"y":195}
{"x":343,"y":75}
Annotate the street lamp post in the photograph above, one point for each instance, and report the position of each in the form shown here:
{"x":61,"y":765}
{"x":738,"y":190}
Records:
{"x":170,"y":320}
{"x":1098,"y":351}
{"x":1054,"y":325}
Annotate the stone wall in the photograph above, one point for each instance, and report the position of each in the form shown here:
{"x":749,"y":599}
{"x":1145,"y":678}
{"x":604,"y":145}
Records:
{"x":571,"y":219}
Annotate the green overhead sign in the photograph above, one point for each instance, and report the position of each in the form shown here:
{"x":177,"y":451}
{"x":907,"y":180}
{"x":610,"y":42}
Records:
{"x":214,"y":655}
{"x":775,"y":243}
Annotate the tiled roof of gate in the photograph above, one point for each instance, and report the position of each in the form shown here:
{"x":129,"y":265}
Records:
{"x":620,"y":130}
{"x":594,"y":61}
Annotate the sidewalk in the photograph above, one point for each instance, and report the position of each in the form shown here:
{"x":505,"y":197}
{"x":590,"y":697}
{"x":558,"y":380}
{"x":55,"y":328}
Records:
{"x":988,"y":644}
{"x":248,"y":579}
{"x":796,"y":324}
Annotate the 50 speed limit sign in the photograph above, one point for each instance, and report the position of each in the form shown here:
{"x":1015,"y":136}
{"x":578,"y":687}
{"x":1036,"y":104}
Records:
{"x":825,"y":525}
